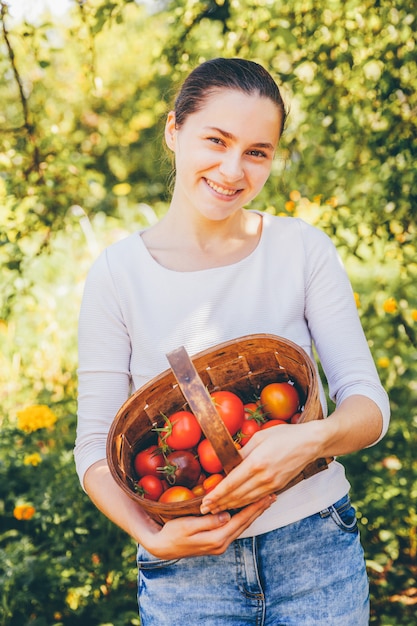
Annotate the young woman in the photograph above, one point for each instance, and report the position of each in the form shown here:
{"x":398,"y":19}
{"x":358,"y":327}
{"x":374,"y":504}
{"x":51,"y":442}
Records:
{"x":211,"y":270}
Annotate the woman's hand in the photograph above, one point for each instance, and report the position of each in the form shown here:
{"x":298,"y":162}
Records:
{"x":196,"y":536}
{"x":181,"y":537}
{"x":270,"y":460}
{"x":274,"y":456}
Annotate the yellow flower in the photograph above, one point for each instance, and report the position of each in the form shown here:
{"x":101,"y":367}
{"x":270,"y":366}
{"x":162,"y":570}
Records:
{"x":76,"y":597}
{"x":32,"y":459}
{"x":357,"y":299}
{"x":72,"y":600}
{"x":333,"y":201}
{"x":390,"y":305}
{"x":24,"y":511}
{"x":35,"y":417}
{"x":414,"y":315}
{"x":383,"y":362}
{"x":290,"y":206}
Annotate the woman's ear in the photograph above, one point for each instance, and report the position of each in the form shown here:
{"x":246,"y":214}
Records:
{"x":170,"y":130}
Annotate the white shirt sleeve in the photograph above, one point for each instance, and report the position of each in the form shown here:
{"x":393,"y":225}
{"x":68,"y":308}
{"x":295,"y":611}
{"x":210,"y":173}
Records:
{"x":335,"y":327}
{"x":104,"y":355}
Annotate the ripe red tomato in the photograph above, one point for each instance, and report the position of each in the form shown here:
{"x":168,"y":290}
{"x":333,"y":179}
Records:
{"x":182,"y":468}
{"x":150,"y":487}
{"x":253,"y":420}
{"x":249,"y":428}
{"x":271,"y":423}
{"x":230,"y":408}
{"x":176,"y":494}
{"x":149,"y":461}
{"x":280,"y":400}
{"x":182,"y":431}
{"x":209,"y":460}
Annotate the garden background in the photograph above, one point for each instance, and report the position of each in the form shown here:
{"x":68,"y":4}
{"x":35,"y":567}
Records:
{"x":82,"y":164}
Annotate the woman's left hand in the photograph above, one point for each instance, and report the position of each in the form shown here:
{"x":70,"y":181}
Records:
{"x":276,"y":455}
{"x":270,"y":460}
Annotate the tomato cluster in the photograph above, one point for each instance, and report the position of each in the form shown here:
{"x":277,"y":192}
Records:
{"x":182,"y":464}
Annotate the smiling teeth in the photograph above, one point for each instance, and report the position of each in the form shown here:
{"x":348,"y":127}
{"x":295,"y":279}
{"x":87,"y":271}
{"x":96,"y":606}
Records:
{"x":224,"y":192}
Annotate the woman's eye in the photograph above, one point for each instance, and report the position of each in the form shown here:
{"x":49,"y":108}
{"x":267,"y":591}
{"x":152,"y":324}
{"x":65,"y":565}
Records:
{"x":216,"y":140}
{"x":257,"y":153}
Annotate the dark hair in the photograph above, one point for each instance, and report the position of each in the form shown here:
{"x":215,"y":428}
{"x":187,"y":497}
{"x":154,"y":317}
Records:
{"x":240,"y":74}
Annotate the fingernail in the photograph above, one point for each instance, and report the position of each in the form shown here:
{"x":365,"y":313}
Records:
{"x":224,"y":517}
{"x":205,"y":506}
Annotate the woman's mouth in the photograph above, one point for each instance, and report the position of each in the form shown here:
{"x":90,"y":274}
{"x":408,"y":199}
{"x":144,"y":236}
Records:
{"x":221,"y":190}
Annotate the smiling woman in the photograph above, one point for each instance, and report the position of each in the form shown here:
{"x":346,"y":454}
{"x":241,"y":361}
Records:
{"x":210,"y":271}
{"x":220,"y":166}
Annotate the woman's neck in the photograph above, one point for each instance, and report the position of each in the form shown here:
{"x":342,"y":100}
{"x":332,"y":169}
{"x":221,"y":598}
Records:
{"x":189,"y":246}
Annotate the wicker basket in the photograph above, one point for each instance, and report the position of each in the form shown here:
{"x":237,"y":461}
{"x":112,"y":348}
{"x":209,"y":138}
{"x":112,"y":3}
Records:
{"x":244,"y":366}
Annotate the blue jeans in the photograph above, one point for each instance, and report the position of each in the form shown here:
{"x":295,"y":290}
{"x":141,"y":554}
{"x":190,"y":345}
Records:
{"x":308,"y":573}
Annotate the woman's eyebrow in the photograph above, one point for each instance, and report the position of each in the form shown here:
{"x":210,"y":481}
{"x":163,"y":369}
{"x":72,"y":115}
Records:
{"x":266,"y":145}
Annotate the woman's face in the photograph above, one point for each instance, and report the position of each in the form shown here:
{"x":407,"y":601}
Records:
{"x":223,"y":152}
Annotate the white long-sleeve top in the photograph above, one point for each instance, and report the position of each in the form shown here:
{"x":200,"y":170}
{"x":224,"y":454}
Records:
{"x":134,"y":311}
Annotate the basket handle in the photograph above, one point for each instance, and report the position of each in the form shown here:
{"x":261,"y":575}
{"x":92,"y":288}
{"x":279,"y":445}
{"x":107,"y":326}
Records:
{"x":203,"y":407}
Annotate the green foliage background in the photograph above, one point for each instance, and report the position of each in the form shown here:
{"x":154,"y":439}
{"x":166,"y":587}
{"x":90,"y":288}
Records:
{"x":82,"y":164}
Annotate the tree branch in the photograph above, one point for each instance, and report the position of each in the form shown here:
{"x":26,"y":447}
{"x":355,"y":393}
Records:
{"x":28,"y":124}
{"x":23,"y":99}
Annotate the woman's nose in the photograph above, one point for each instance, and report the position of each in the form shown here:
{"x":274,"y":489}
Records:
{"x":231,"y":167}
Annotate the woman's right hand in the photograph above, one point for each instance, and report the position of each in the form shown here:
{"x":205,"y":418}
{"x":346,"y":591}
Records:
{"x":181,"y":537}
{"x":197,"y":536}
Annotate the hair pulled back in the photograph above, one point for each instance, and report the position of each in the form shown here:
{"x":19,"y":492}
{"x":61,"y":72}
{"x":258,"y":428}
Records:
{"x":239,"y":74}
